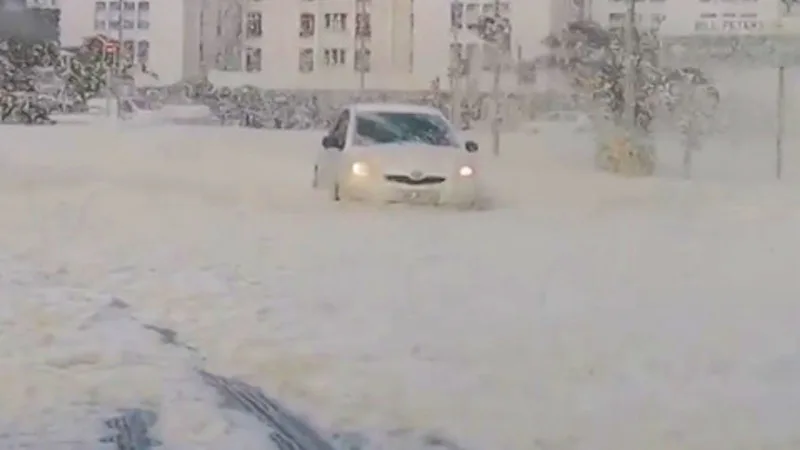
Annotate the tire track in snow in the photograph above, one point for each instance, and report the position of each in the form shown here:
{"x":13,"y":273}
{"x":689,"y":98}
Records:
{"x":287,"y":430}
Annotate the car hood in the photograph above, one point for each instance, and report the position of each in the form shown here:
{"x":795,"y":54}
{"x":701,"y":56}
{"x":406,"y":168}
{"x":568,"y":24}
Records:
{"x":407,"y":158}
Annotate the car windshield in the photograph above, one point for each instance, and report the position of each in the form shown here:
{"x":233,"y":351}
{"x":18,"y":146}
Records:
{"x":386,"y":127}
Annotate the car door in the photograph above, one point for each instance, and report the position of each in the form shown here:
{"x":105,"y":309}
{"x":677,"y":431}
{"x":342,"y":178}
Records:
{"x":330,"y":157}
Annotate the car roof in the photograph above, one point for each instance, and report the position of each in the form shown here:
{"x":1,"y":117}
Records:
{"x":394,"y":107}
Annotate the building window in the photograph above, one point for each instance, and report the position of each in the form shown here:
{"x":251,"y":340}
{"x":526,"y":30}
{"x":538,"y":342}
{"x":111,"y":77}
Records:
{"x":100,"y":25}
{"x":363,"y":60}
{"x":254,"y":25}
{"x":128,"y":50}
{"x":505,"y":9}
{"x":363,"y":25}
{"x":115,"y":6}
{"x":336,"y":21}
{"x":128,"y":24}
{"x":252,"y":59}
{"x":143,"y":52}
{"x":129,"y":6}
{"x":472,"y":13}
{"x":456,"y":15}
{"x":100,"y":6}
{"x":143,"y":16}
{"x":490,"y":56}
{"x":458,"y":61}
{"x":334,"y":57}
{"x":306,"y":63}
{"x":307,"y":22}
{"x":616,"y":19}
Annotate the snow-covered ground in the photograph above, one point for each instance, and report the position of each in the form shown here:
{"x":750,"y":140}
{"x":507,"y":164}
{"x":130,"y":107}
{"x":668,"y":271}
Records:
{"x":583,"y":312}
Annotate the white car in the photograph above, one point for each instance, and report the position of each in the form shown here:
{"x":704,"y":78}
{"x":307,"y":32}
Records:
{"x":392,"y":153}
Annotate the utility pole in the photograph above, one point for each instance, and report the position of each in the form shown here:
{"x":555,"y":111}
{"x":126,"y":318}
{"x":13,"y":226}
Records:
{"x":456,"y":68}
{"x":497,"y":93}
{"x":109,"y":76}
{"x":781,"y":112}
{"x":118,"y":62}
{"x":631,"y":56}
{"x":361,"y":29}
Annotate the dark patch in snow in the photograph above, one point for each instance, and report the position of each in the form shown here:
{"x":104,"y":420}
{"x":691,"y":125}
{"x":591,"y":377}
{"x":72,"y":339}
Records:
{"x":394,"y":440}
{"x":131,"y":430}
{"x":118,"y":303}
{"x":292,"y":433}
{"x":169,"y":337}
{"x":289,"y":432}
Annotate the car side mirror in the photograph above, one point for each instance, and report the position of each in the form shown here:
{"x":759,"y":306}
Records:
{"x":331,"y":142}
{"x":471,"y":146}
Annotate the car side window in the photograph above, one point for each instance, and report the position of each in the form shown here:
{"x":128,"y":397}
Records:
{"x":335,"y":125}
{"x":340,"y":128}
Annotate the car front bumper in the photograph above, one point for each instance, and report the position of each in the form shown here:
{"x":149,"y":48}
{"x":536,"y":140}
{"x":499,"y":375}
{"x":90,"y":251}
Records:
{"x":462,"y":191}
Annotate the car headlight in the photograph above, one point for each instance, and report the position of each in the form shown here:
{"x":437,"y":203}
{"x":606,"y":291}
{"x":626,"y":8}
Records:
{"x":359,"y":169}
{"x":466,"y":171}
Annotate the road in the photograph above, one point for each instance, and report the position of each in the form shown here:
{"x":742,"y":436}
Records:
{"x":583,"y":312}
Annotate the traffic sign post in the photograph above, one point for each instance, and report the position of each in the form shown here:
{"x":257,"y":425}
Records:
{"x":109,"y":48}
{"x":762,"y":48}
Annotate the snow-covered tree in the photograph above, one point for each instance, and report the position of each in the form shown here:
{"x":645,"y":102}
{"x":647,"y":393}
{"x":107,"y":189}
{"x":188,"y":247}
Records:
{"x":693,"y":102}
{"x":23,"y":70}
{"x":39,"y":76}
{"x":594,"y":59}
{"x":86,"y":75}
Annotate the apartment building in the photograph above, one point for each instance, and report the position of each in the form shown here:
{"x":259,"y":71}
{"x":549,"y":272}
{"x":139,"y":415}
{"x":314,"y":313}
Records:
{"x":160,"y":37}
{"x":689,"y":17}
{"x":407,"y":44}
{"x":300,"y":44}
{"x":447,"y":33}
{"x":43,"y":4}
{"x":19,"y":21}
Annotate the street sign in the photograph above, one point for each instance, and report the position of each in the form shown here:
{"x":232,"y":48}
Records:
{"x":746,"y":50}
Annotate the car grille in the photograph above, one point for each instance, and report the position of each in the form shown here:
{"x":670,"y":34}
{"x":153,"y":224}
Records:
{"x":416,"y":181}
